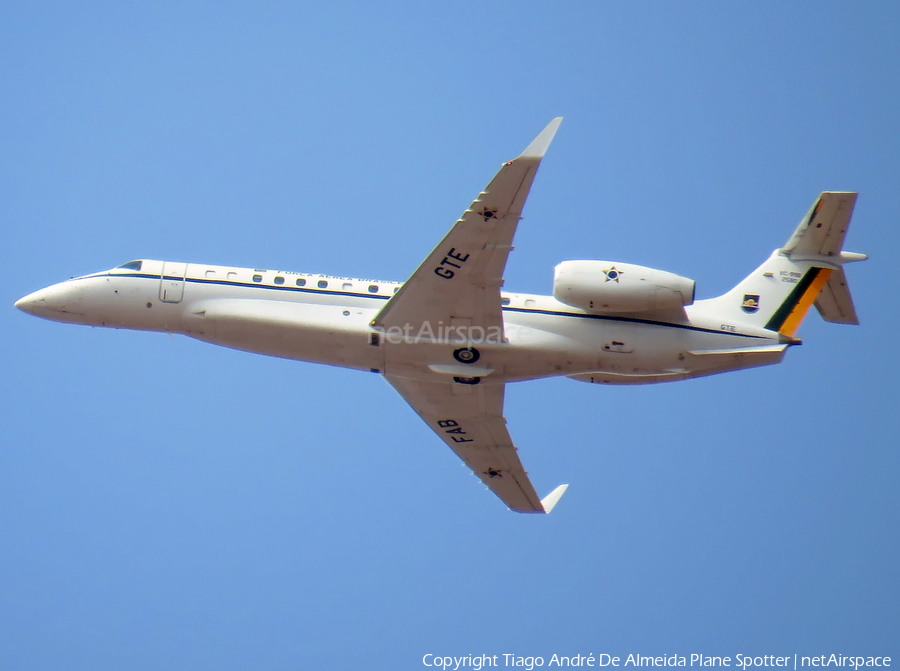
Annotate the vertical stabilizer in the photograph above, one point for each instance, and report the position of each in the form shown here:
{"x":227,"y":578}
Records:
{"x":790,"y":314}
{"x":808,"y":270}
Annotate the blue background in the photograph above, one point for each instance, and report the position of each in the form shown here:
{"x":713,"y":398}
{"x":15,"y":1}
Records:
{"x":169,"y":504}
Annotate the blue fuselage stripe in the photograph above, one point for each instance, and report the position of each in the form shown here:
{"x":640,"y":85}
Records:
{"x":331,"y":292}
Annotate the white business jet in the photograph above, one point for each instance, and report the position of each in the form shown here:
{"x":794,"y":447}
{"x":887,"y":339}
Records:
{"x":448,"y":339}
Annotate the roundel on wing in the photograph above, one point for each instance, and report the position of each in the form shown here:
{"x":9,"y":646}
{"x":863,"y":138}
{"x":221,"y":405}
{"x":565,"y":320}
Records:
{"x":488,"y":213}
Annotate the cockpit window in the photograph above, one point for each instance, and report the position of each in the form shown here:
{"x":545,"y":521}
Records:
{"x":132,"y":265}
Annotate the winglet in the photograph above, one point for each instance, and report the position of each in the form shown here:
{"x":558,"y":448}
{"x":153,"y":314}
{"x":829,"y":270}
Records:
{"x":539,"y":145}
{"x":549,"y":501}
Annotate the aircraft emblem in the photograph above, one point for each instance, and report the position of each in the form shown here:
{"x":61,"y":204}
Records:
{"x":493,"y":472}
{"x":750,"y":304}
{"x":612,"y":275}
{"x":488,"y":213}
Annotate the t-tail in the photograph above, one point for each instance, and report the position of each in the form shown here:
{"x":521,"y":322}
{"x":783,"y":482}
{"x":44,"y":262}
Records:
{"x":807,"y":271}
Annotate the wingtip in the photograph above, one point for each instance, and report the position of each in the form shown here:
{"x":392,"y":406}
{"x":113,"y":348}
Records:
{"x":541,"y":143}
{"x":550,"y":501}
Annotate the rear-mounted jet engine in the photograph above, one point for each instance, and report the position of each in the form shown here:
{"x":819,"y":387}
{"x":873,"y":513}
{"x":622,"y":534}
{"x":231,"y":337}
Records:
{"x":616,"y":288}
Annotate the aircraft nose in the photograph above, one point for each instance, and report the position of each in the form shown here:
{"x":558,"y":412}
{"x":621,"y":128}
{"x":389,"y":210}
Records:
{"x":27,"y":303}
{"x":49,"y":302}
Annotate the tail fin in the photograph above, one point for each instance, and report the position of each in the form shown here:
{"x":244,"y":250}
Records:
{"x":808,"y":269}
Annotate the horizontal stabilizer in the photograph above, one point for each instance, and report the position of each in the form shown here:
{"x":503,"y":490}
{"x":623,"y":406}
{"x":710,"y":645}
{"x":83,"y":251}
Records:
{"x":822,"y":231}
{"x":550,"y":501}
{"x":834,"y":302}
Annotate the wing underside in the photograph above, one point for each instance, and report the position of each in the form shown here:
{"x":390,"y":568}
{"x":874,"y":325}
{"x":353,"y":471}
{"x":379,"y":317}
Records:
{"x":469,"y":419}
{"x":461,"y":278}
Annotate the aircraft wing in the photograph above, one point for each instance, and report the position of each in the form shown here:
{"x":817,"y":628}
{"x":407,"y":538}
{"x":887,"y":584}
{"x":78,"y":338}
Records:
{"x":469,"y":419}
{"x":461,"y":279}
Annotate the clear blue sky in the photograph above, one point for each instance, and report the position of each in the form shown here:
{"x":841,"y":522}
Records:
{"x":166,"y":504}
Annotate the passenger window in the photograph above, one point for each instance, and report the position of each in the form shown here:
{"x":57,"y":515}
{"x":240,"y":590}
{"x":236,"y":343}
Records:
{"x":279,"y":280}
{"x":529,"y":303}
{"x":504,"y":301}
{"x":301,"y":282}
{"x":348,"y":286}
{"x":323,"y":284}
{"x":257,"y":278}
{"x":210,"y":273}
{"x":396,"y":289}
{"x":232,"y":276}
{"x":373,"y":288}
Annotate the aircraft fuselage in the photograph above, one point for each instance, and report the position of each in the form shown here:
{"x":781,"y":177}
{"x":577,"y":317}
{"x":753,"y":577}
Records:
{"x":327,"y":320}
{"x":448,"y":339}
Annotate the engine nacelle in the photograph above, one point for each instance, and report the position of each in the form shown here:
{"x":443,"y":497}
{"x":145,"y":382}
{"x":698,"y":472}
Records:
{"x":606,"y":287}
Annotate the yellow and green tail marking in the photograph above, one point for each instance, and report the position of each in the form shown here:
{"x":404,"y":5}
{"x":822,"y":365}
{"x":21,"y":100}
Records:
{"x":790,"y":314}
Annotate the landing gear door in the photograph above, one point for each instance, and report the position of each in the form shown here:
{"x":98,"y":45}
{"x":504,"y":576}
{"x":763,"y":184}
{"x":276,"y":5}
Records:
{"x":171,"y":282}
